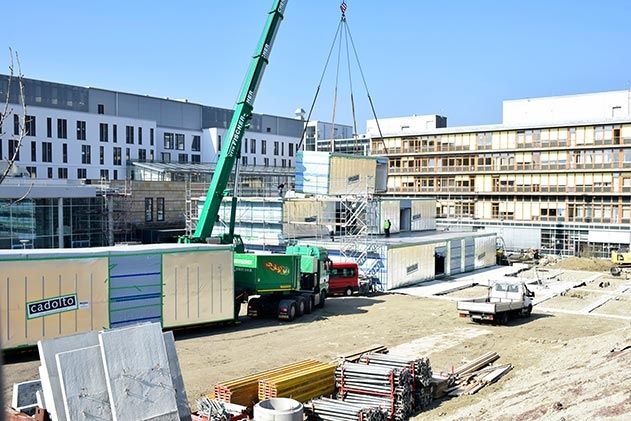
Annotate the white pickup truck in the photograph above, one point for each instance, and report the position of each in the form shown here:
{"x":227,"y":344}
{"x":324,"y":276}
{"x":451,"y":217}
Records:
{"x":505,"y":299}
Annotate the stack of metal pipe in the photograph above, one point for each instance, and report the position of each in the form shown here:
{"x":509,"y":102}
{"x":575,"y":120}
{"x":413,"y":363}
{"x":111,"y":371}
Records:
{"x":212,"y":409}
{"x":373,"y":385}
{"x":335,"y":410}
{"x":420,"y":369}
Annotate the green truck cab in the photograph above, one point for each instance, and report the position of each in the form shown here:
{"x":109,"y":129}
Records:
{"x":283,"y":285}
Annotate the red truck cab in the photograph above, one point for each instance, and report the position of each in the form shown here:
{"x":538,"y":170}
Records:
{"x":343,"y":278}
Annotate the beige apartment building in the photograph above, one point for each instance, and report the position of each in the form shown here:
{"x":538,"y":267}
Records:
{"x":559,"y":184}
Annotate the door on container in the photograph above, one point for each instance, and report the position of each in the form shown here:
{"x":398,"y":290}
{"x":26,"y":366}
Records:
{"x":469,"y":254}
{"x":135,"y":289}
{"x":455,"y":257}
{"x":439,"y":260}
{"x":405,"y":219}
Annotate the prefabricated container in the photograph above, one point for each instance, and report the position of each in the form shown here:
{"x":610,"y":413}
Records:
{"x":308,"y":218}
{"x":325,"y":173}
{"x":266,"y":272}
{"x":47,"y":293}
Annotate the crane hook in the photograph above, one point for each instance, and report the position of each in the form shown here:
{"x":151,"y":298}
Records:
{"x":343,"y":8}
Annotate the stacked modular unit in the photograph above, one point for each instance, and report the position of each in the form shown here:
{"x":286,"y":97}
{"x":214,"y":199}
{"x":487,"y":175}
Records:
{"x":332,"y":174}
{"x":258,"y":219}
{"x":50,"y":293}
{"x":308,"y":218}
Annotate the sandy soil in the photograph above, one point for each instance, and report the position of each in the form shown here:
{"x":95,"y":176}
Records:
{"x":542,"y":350}
{"x":574,"y":300}
{"x":617,"y":306}
{"x":583,"y":263}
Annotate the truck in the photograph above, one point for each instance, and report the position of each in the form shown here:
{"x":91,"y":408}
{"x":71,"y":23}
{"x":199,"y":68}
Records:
{"x":283,"y":285}
{"x":504,"y":300}
{"x":343,"y":278}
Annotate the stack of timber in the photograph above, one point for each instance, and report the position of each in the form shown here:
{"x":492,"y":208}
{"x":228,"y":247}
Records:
{"x":335,"y":410}
{"x":372,"y":385}
{"x":245,"y":390}
{"x":299,"y":383}
{"x":473,"y":376}
{"x":419,"y":368}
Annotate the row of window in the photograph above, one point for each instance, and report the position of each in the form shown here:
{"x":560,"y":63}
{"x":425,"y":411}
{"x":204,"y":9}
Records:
{"x":182,"y":158}
{"x":62,"y":173}
{"x":178,"y":141}
{"x":266,"y":162}
{"x":149,"y":209}
{"x":249,"y":146}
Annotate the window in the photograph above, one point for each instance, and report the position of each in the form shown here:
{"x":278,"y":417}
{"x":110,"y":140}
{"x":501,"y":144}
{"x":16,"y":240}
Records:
{"x":148,"y":209}
{"x":182,"y":158}
{"x":197,"y":144}
{"x":142,"y":155}
{"x":115,"y":174}
{"x":49,"y":127}
{"x":14,"y":149}
{"x":275,"y":148}
{"x":289,"y":165}
{"x":291,"y":149}
{"x":275,"y":164}
{"x":160,"y":209}
{"x":166,"y":157}
{"x":50,"y":172}
{"x":81,"y":130}
{"x":34,"y":151}
{"x":62,"y":173}
{"x":269,"y":130}
{"x":244,"y":160}
{"x":114,"y":133}
{"x":100,"y":109}
{"x":127,"y":155}
{"x":151,"y":137}
{"x":129,"y":134}
{"x":179,"y":142}
{"x":86,"y":154}
{"x":218,"y":143}
{"x":105,"y":174}
{"x":32,"y":171}
{"x":29,"y":125}
{"x":151,"y":155}
{"x":283,"y":163}
{"x":101,"y":155}
{"x":263,"y":147}
{"x":168,"y":140}
{"x":47,"y":152}
{"x":254,"y":163}
{"x":253,"y":145}
{"x":103,"y":129}
{"x":140,"y":135}
{"x":282,"y":149}
{"x":265,"y":161}
{"x":245,"y":146}
{"x":62,"y":128}
{"x":82,"y":173}
{"x":196,"y":159}
{"x":16,"y":124}
{"x":64,"y":152}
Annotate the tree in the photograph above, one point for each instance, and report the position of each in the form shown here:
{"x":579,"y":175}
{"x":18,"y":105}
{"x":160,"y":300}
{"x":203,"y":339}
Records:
{"x":15,"y":76}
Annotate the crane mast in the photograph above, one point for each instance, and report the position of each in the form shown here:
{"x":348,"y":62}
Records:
{"x":234,"y":135}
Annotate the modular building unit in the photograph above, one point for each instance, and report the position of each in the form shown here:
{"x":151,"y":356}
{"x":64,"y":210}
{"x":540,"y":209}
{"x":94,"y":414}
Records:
{"x":308,"y":217}
{"x":325,"y":173}
{"x":49,"y":293}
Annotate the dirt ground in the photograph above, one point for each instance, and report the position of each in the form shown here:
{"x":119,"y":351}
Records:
{"x":557,"y":358}
{"x":583,"y":263}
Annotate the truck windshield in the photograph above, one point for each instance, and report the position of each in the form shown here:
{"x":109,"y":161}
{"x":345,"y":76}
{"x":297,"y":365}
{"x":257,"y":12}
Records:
{"x":500,"y":287}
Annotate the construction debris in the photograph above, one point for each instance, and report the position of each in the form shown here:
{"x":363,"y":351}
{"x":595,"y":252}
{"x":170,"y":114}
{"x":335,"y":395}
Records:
{"x":473,"y":376}
{"x":216,"y":410}
{"x":336,"y":410}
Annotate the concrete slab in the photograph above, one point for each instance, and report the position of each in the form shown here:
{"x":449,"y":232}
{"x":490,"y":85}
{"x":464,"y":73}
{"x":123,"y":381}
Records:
{"x":83,"y":385}
{"x":137,"y":373}
{"x":49,"y":374}
{"x":183,"y":410}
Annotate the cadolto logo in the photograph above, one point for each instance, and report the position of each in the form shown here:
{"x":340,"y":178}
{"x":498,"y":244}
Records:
{"x":281,"y":270}
{"x":51,"y":306}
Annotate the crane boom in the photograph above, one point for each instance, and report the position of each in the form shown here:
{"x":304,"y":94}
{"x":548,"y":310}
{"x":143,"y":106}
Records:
{"x":239,"y":123}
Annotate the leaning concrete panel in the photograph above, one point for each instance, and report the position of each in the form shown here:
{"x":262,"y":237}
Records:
{"x":25,"y":395}
{"x":137,"y":373}
{"x":49,"y":373}
{"x":83,"y":384}
{"x":183,"y":410}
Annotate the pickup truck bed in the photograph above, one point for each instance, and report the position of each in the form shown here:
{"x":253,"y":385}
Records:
{"x":489,"y":308}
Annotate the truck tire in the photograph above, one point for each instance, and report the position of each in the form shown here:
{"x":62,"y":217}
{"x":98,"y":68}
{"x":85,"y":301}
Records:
{"x":322,"y":299}
{"x":254,"y":304}
{"x":293,"y":311}
{"x":348,"y":292}
{"x":529,"y":310}
{"x":616,"y":270}
{"x":503,"y":319}
{"x":308,"y":304}
{"x":301,"y":305}
{"x":291,"y":308}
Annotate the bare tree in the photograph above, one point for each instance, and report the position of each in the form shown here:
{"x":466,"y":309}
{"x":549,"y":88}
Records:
{"x":15,"y":76}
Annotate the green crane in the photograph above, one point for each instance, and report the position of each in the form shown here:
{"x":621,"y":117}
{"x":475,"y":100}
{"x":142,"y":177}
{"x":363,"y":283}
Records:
{"x":230,"y":150}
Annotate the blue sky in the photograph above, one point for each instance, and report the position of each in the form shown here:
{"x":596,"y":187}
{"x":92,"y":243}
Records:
{"x":457,"y":58}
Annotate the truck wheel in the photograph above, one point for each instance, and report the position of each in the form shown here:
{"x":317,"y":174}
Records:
{"x":503,"y":318}
{"x":300,"y":306}
{"x":349,"y":291}
{"x":237,"y":309}
{"x":616,"y":270}
{"x":291,"y":313}
{"x":322,"y":299}
{"x":529,"y":310}
{"x":308,"y":304}
{"x":254,"y":308}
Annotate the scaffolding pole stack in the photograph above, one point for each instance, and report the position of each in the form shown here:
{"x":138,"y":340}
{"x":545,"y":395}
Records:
{"x":420,"y":369}
{"x":373,"y":385}
{"x":334,"y":410}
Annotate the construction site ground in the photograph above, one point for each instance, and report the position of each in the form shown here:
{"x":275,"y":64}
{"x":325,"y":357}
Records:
{"x":564,"y":367}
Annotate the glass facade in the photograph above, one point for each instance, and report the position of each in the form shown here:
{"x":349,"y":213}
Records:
{"x":34,"y":223}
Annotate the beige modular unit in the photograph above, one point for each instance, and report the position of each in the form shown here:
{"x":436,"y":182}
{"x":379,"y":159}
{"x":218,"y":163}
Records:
{"x":307,"y":217}
{"x":485,"y":251}
{"x":423,"y":215}
{"x":408,"y":264}
{"x":390,"y":209}
{"x":198,"y":288}
{"x":43,"y":298}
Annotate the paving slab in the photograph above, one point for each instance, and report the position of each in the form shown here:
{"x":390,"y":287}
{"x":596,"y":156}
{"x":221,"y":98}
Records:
{"x":83,"y":384}
{"x":183,"y":410}
{"x":137,"y":373}
{"x":49,"y":375}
